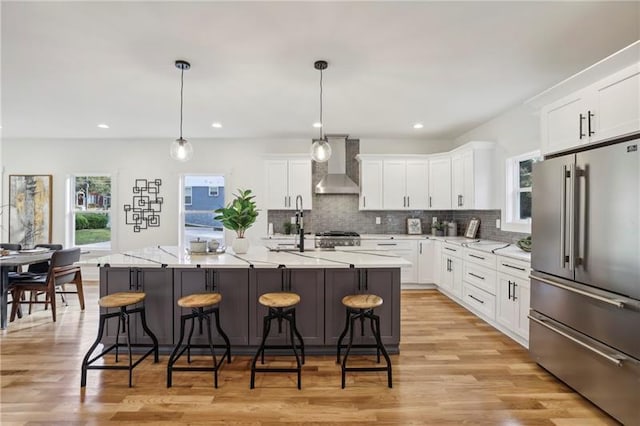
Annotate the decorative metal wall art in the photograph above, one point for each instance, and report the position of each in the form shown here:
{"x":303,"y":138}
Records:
{"x":29,"y":209}
{"x":145,"y":211}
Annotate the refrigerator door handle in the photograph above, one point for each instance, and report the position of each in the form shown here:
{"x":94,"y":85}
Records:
{"x":616,"y":303}
{"x":572,"y":216}
{"x":563,"y":218}
{"x":582,"y":216}
{"x":614,"y":360}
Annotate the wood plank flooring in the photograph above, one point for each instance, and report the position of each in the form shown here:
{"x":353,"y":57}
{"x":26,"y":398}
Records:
{"x":453,"y":369}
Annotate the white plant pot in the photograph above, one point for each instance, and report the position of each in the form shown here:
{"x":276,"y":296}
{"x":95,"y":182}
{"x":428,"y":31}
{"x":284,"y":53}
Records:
{"x":240,"y":245}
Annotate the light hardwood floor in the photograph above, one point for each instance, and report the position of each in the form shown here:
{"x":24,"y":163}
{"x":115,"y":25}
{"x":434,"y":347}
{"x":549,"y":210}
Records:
{"x":453,"y":369}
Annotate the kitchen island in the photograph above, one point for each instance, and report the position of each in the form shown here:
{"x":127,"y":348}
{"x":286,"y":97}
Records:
{"x":321,"y":278}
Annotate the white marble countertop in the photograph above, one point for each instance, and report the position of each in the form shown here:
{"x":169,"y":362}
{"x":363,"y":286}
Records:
{"x":487,"y":246}
{"x":514,"y":252}
{"x":258,"y":256}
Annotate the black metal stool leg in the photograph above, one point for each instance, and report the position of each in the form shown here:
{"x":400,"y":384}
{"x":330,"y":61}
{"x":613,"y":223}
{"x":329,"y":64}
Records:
{"x":297,"y":333}
{"x":352,"y":321}
{"x":383,"y":350}
{"x":120,"y":324}
{"x":223,"y":334}
{"x":213,"y":354}
{"x":344,"y":333}
{"x":193,"y":326}
{"x":291,"y":319}
{"x":145,"y":327}
{"x":373,"y":330}
{"x":174,"y":355}
{"x":265,"y":330}
{"x":129,"y":350}
{"x":85,"y":361}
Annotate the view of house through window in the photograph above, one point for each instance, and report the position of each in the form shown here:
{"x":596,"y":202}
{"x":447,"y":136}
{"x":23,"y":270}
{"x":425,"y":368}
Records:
{"x":202,"y":196}
{"x":91,"y":211}
{"x":519,"y":185}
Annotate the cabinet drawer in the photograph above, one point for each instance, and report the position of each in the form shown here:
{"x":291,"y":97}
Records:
{"x":480,"y":276}
{"x":480,"y":257}
{"x":519,"y":268}
{"x":389,"y":244}
{"x":452,"y":250}
{"x":480,"y":300}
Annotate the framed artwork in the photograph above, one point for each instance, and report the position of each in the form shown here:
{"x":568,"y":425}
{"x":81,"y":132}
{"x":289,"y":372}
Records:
{"x":414,"y":226}
{"x":30,"y":209}
{"x":472,"y":228}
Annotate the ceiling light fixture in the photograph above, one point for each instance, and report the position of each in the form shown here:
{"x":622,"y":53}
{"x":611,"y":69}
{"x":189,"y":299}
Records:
{"x":320,"y":149}
{"x":103,"y":126}
{"x":181,"y":149}
{"x":418,"y":126}
{"x":216,"y":125}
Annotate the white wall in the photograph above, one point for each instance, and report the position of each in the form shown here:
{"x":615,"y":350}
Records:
{"x":515,"y":132}
{"x":239,"y":160}
{"x":403,"y":146}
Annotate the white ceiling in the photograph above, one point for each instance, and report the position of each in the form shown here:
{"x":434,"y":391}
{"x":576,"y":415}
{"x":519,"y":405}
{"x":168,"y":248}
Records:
{"x":451,"y":65}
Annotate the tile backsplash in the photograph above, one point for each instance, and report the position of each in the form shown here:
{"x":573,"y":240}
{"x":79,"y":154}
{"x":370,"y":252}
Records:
{"x":335,"y":212}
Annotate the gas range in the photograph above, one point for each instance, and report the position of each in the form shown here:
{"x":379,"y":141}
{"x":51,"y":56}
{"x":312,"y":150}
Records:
{"x":331,"y":239}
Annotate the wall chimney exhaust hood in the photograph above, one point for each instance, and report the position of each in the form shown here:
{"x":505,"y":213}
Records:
{"x":337,"y":181}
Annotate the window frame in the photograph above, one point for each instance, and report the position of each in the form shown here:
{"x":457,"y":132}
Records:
{"x":513,"y":222}
{"x":182,"y":240}
{"x":71,"y":204}
{"x":217,"y":191}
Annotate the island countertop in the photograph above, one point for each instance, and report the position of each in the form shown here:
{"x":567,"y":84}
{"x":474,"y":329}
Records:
{"x":257,"y":257}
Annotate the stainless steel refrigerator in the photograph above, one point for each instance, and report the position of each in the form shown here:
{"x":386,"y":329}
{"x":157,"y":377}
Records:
{"x":585,"y":284}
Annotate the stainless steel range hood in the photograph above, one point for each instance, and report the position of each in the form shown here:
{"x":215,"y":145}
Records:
{"x":337,"y":181}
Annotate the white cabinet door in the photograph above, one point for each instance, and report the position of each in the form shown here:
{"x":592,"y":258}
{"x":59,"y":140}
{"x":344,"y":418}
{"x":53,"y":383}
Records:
{"x":457,"y":180}
{"x":394,"y":186}
{"x":417,"y":184}
{"x":440,"y":183}
{"x":300,"y":182}
{"x":467,"y":200}
{"x":451,"y":277}
{"x":371,"y":185}
{"x":426,"y":261}
{"x":616,"y":104}
{"x":522,"y":299}
{"x":506,"y":309}
{"x":410,"y":274}
{"x":564,"y":123}
{"x":437,"y":261}
{"x":277,"y":184}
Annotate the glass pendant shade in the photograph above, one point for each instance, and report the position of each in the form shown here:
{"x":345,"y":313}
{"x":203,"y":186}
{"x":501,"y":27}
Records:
{"x":181,"y":150}
{"x":320,"y":150}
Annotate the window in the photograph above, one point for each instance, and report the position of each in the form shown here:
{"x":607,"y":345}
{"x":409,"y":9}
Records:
{"x":188,"y":195}
{"x":519,"y":185}
{"x":91,"y":211}
{"x":203,"y":194}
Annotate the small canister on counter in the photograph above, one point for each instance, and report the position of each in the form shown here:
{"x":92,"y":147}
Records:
{"x":452,"y":229}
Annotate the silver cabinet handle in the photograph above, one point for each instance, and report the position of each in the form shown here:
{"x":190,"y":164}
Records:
{"x":461,"y":200}
{"x":408,"y":201}
{"x":430,"y":204}
{"x":590,"y":115}
{"x":580,"y":134}
{"x":609,"y":358}
{"x":477,"y":257}
{"x":509,"y":296}
{"x":572,"y":216}
{"x":613,"y":302}
{"x":450,"y":249}
{"x":420,"y":248}
{"x":563,"y":216}
{"x":364,"y":201}
{"x":387,"y":244}
{"x":477,"y":276}
{"x":513,"y":267}
{"x":476,"y":299}
{"x":515,"y":285}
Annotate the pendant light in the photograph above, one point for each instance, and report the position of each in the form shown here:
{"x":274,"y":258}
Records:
{"x":320,"y":149}
{"x":181,"y":149}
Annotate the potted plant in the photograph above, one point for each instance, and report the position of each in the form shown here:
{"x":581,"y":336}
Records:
{"x":238,"y":216}
{"x":437,"y":229}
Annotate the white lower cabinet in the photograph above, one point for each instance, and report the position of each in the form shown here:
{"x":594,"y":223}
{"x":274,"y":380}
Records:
{"x":513,"y":301}
{"x":407,"y":249}
{"x":429,"y":260}
{"x":479,"y":300}
{"x":451,"y":275}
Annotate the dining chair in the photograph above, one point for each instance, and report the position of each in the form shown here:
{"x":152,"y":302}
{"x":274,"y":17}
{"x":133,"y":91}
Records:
{"x":61,"y":271}
{"x":42,"y":268}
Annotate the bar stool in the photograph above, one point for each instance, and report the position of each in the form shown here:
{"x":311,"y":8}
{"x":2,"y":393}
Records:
{"x":360,"y":306}
{"x":281,"y":307}
{"x":198,"y":303}
{"x":123,"y":301}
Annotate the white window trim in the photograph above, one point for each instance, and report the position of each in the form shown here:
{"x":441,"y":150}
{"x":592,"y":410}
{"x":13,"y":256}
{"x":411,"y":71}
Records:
{"x":512,"y":185}
{"x":70,"y":202}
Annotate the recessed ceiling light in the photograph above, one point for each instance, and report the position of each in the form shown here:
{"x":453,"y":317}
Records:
{"x":317,"y":125}
{"x":216,"y":125}
{"x":418,"y":126}
{"x":103,"y":126}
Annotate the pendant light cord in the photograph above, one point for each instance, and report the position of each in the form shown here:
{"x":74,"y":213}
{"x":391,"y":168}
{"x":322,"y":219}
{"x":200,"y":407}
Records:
{"x":321,"y":122}
{"x":181,"y":91}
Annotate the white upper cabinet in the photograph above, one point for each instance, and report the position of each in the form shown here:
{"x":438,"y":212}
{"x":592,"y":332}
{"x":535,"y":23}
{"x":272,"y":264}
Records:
{"x":608,"y":108}
{"x":371,"y":185}
{"x":286,"y":179}
{"x":406,"y":184}
{"x":472,"y":177}
{"x":440,"y":183}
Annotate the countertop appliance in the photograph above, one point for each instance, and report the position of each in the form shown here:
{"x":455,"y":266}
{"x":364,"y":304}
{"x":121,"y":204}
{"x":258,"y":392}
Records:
{"x":585,"y":284}
{"x":331,"y":239}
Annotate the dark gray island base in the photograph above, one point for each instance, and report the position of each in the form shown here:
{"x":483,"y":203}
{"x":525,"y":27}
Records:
{"x":320,"y":314}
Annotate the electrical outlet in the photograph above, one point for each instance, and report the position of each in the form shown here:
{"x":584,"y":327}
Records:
{"x":293,"y":220}
{"x":378,"y":220}
{"x":498,"y":223}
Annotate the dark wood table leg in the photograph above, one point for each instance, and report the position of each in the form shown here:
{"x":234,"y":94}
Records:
{"x":4,"y":298}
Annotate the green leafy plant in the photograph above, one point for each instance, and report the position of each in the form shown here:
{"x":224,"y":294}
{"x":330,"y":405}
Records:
{"x":438,"y":226}
{"x":239,"y":214}
{"x":288,"y":226}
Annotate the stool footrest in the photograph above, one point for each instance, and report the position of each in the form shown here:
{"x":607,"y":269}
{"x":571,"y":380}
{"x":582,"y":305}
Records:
{"x":275,"y":370}
{"x":89,"y":365}
{"x":366,"y":369}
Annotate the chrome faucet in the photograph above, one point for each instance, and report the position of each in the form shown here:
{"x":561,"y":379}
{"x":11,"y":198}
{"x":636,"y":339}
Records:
{"x":299,"y":221}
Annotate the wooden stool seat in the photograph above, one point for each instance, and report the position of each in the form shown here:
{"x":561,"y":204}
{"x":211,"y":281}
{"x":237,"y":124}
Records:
{"x":199,"y":300}
{"x":279,"y":300}
{"x":118,"y":300}
{"x":362,"y":301}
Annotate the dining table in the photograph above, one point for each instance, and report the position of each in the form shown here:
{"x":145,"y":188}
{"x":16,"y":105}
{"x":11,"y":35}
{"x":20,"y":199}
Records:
{"x":6,"y":264}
